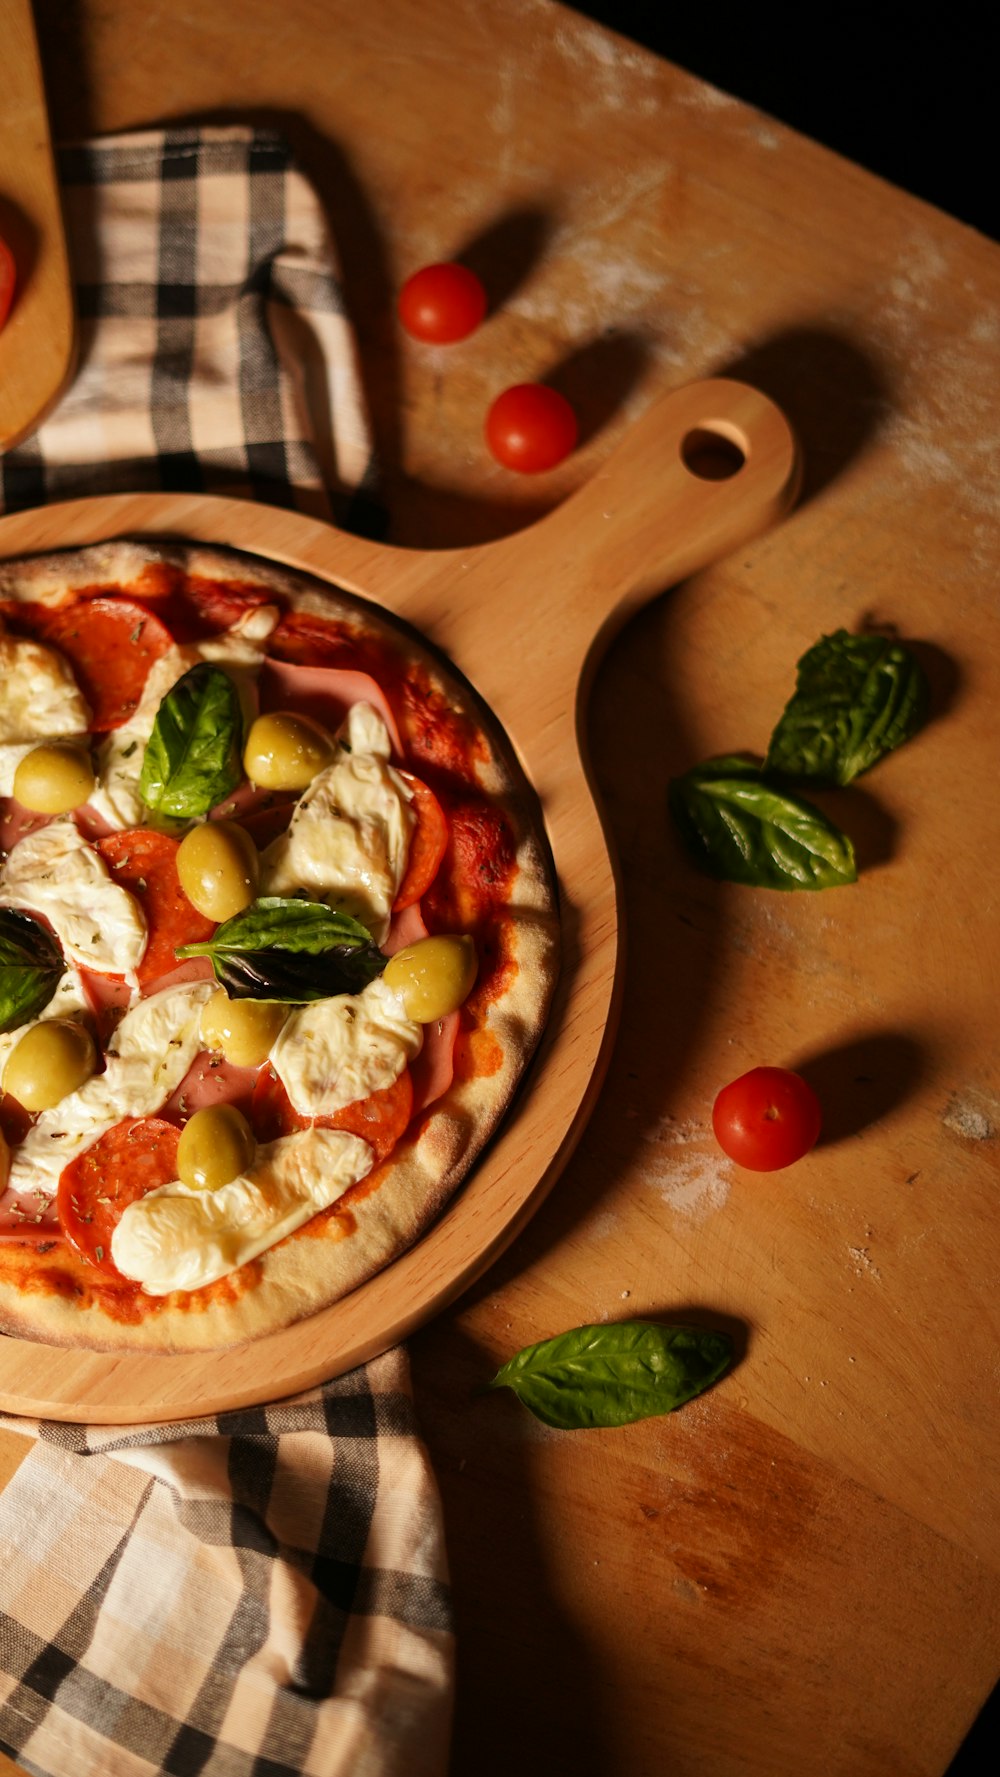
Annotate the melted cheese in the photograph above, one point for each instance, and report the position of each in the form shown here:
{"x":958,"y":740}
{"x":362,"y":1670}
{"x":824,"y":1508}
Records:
{"x":55,"y":872}
{"x":331,"y":1052}
{"x":239,"y":650}
{"x":176,"y":1238}
{"x":147,"y":1058}
{"x":349,"y":837}
{"x":41,"y":701}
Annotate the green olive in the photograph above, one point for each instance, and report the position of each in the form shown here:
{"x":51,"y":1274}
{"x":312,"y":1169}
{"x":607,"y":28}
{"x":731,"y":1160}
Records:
{"x":243,"y":1030}
{"x":216,"y":1146}
{"x":52,"y":779}
{"x":218,"y":867}
{"x":432,"y":977}
{"x":51,"y":1060}
{"x":285,"y":752}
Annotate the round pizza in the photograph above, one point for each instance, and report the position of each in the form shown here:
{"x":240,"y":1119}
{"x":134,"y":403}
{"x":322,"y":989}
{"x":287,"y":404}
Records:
{"x":278,"y":936}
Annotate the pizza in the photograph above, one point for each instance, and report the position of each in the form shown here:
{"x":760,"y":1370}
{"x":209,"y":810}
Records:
{"x":278,"y":936}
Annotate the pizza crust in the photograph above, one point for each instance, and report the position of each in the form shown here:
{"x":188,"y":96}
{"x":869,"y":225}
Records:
{"x":383,"y":1217}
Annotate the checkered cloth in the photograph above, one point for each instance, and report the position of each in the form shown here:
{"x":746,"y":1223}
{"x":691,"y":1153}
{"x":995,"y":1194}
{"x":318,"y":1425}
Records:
{"x":264,"y":1593}
{"x":214,"y":352}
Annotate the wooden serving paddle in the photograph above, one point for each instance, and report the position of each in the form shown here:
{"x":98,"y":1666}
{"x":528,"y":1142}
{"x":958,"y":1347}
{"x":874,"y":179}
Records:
{"x":526,"y":620}
{"x":37,"y":342}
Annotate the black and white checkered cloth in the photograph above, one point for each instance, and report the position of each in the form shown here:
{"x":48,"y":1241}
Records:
{"x":214,"y":351}
{"x":264,"y":1593}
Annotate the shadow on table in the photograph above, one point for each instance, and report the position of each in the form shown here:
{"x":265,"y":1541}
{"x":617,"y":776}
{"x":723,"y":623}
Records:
{"x":517,"y":1643}
{"x":833,"y":394}
{"x":859,"y":1082}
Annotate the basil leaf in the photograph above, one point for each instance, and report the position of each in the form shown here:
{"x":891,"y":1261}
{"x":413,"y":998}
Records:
{"x":615,"y":1373}
{"x":193,"y":756}
{"x":291,"y":950}
{"x":739,"y":827}
{"x":856,"y":698}
{"x":31,"y":968}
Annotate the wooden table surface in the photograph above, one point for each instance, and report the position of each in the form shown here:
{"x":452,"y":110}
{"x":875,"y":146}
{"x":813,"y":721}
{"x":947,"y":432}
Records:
{"x":800,"y":1572}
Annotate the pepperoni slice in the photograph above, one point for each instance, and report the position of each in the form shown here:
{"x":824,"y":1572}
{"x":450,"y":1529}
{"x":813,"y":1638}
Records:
{"x":220,"y":605}
{"x":310,"y":640}
{"x":124,"y":1163}
{"x":380,"y":1120}
{"x":145,"y":863}
{"x":427,"y":845}
{"x":111,"y":643}
{"x":482,"y":864}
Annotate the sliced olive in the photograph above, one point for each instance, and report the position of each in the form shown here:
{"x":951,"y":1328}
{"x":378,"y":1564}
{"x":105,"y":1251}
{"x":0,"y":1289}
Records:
{"x":218,"y":866}
{"x":432,"y":976}
{"x":51,"y":1060}
{"x":285,"y":752}
{"x":52,"y":779}
{"x":243,"y":1030}
{"x":216,"y":1146}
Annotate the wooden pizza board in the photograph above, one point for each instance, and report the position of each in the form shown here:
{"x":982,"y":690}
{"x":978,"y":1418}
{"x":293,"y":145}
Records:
{"x":526,"y":620}
{"x":37,"y":343}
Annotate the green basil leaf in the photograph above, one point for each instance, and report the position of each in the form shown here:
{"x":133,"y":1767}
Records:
{"x":615,"y":1373}
{"x":741,"y":828}
{"x":193,"y":756}
{"x":31,"y":968}
{"x":856,"y":699}
{"x":291,"y":950}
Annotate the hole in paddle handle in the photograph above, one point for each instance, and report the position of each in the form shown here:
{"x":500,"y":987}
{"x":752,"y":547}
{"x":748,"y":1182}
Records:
{"x":713,"y":454}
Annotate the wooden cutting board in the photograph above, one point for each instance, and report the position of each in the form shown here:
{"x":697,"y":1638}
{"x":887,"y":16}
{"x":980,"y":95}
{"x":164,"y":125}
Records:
{"x":526,"y":619}
{"x":38,"y":341}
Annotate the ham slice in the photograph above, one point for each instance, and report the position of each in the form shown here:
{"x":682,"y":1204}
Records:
{"x":210,"y":1080}
{"x":325,"y":693}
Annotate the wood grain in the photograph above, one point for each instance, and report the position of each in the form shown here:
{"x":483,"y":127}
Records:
{"x":37,"y":342}
{"x":819,"y":1590}
{"x":563,"y":587}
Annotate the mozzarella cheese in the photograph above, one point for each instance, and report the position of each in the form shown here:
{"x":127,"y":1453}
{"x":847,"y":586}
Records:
{"x":41,"y":701}
{"x":147,"y":1058}
{"x":349,"y":837}
{"x":54,"y":871}
{"x":176,"y":1238}
{"x":331,"y":1052}
{"x":239,"y":650}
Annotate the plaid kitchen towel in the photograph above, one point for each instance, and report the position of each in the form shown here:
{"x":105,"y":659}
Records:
{"x":264,"y":1593}
{"x":214,"y":351}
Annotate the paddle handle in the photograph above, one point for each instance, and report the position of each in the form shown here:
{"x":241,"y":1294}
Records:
{"x":702,"y":470}
{"x":37,"y":345}
{"x":705,"y":468}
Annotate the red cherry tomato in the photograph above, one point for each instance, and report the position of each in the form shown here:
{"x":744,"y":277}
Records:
{"x":6,"y":280}
{"x":530,"y":428}
{"x":766,"y":1119}
{"x":442,"y":303}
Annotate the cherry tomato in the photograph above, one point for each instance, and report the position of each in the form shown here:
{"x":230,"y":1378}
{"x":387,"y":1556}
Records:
{"x":6,"y":280}
{"x":766,"y":1119}
{"x":530,"y":428}
{"x":442,"y":303}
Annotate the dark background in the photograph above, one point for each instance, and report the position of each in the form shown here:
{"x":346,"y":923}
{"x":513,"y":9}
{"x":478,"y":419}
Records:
{"x":905,"y":97}
{"x":909,"y":95}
